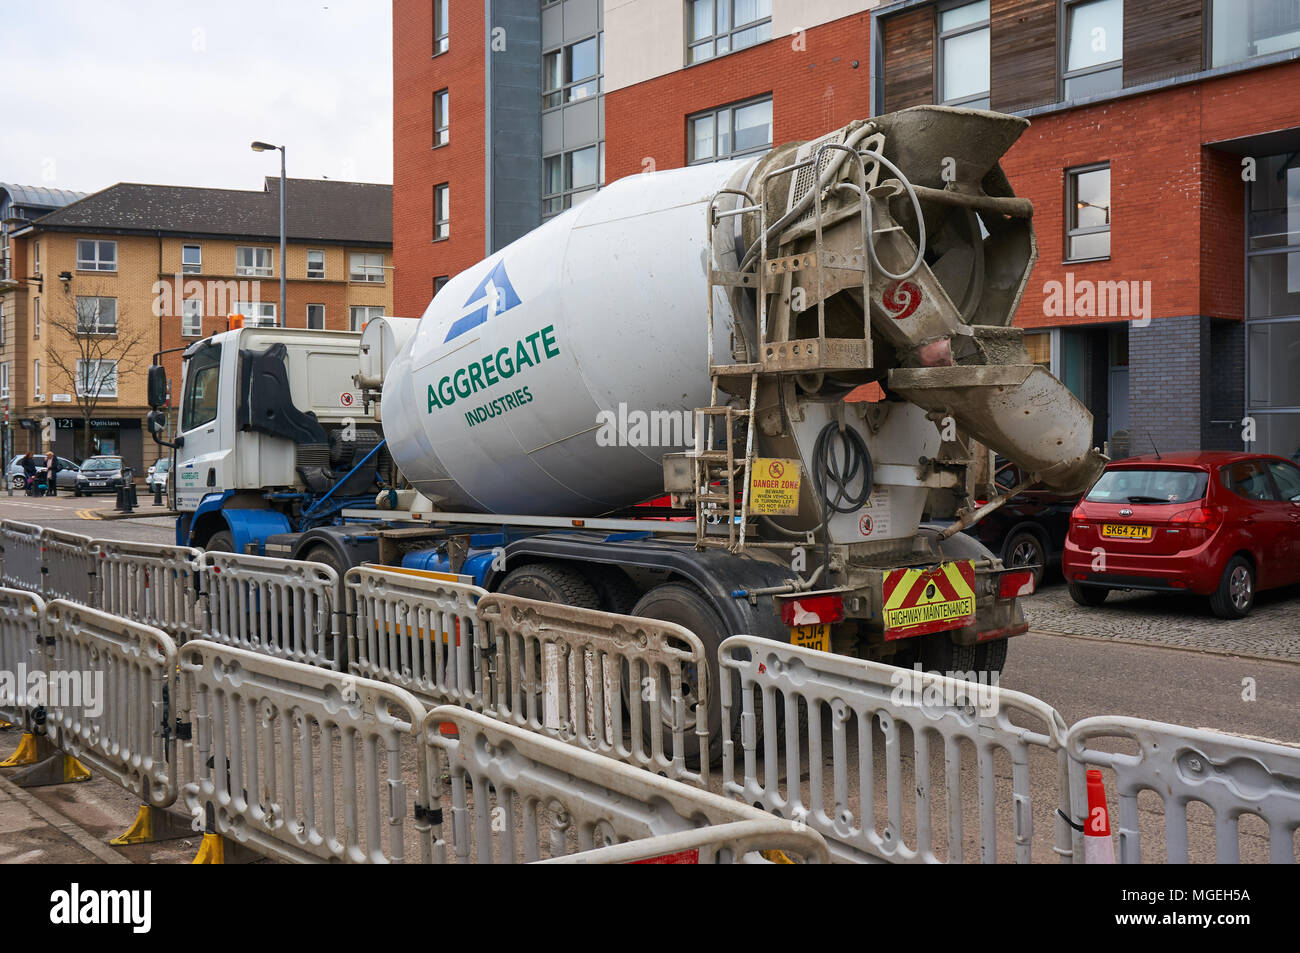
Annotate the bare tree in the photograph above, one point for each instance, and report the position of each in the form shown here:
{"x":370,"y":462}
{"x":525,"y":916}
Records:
{"x":91,"y":349}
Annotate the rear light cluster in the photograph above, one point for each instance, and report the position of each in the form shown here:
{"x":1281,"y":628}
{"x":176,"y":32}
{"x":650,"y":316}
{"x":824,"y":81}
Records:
{"x":811,"y":610}
{"x":1018,"y":583}
{"x":1199,"y":517}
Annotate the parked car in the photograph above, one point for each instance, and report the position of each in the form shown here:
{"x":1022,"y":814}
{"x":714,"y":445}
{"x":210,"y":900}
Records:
{"x":1218,"y":524}
{"x":67,"y":475}
{"x":99,"y":475}
{"x":158,"y":472}
{"x":1029,"y":529}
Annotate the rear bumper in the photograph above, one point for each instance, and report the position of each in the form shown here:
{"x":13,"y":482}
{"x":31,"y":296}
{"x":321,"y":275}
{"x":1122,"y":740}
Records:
{"x":1195,"y":570}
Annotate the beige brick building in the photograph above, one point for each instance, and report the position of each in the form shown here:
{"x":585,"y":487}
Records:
{"x":137,"y":270}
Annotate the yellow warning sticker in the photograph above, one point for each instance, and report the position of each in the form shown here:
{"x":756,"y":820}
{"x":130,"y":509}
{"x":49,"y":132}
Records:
{"x":918,"y":601}
{"x":774,"y":487}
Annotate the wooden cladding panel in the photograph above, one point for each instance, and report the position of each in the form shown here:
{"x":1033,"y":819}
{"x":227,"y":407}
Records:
{"x":909,"y":59}
{"x":1022,"y":53}
{"x":1162,"y":38}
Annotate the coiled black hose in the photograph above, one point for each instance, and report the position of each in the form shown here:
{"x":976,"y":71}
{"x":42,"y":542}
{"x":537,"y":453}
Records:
{"x":839,"y":458}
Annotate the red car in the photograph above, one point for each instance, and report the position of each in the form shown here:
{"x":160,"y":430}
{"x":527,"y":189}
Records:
{"x":1215,"y":523}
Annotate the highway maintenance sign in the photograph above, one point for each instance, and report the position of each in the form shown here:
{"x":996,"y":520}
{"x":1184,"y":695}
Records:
{"x":919,"y":601}
{"x":774,"y":487}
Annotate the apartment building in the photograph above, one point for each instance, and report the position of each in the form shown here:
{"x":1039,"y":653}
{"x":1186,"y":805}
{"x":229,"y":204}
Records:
{"x":138,"y":270}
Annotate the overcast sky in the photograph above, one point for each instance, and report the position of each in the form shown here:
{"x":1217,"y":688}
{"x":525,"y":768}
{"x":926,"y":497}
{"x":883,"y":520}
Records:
{"x":173,"y":91}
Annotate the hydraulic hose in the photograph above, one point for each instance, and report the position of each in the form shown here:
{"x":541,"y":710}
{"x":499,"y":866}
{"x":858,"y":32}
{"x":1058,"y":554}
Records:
{"x":839,"y":458}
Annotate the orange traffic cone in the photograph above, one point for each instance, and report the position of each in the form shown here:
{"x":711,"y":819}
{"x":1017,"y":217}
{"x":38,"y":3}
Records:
{"x":1097,"y":845}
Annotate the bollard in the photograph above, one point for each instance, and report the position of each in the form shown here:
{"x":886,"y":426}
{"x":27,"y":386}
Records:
{"x":157,"y":494}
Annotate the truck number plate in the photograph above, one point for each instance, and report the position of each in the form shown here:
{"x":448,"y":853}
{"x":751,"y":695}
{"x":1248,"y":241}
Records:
{"x":811,"y":636}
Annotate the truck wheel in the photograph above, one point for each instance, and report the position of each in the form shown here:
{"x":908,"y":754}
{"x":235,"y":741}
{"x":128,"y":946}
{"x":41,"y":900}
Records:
{"x":685,"y":606}
{"x":1087,"y":595}
{"x":939,"y":653}
{"x":550,"y":583}
{"x":326,"y":556}
{"x":1236,"y":593}
{"x":614,"y":590}
{"x":221,"y":542}
{"x":992,"y":656}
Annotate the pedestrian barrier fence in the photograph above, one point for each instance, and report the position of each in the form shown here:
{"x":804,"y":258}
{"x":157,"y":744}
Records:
{"x":1233,"y":776}
{"x":69,"y":566}
{"x":21,"y":614}
{"x":156,"y":585}
{"x":23,"y":556}
{"x":284,"y":608}
{"x":772,"y":840}
{"x":109,"y":683}
{"x":784,"y":692}
{"x":300,"y":763}
{"x":630,"y":688}
{"x":416,"y":632}
{"x":517,"y":796}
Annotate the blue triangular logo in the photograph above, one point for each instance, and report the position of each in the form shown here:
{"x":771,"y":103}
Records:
{"x":497,"y":295}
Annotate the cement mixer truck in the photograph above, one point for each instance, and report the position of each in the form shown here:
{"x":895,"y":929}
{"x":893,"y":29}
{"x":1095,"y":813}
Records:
{"x":726,"y":396}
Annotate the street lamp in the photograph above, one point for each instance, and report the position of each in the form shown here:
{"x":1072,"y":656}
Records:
{"x":264,"y":147}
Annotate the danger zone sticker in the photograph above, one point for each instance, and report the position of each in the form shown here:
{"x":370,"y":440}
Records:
{"x":919,"y":601}
{"x":774,"y":487}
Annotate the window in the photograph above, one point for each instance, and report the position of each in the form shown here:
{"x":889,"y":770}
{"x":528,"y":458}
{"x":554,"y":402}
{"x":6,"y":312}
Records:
{"x":441,"y":124}
{"x":1088,"y":213}
{"x":1287,"y":478}
{"x":1248,"y":479}
{"x":729,"y":132}
{"x":256,"y":313}
{"x":360,"y":315}
{"x":36,"y":380}
{"x":254,"y":261}
{"x":96,"y":256}
{"x":964,"y":55}
{"x":367,"y":267}
{"x":316,"y":317}
{"x":439,"y":282}
{"x":202,"y":377}
{"x":36,"y":317}
{"x":36,"y":258}
{"x":191,"y":259}
{"x":96,"y":379}
{"x":315,"y":264}
{"x":716,"y":27}
{"x":1039,"y":346}
{"x":192,"y":318}
{"x":441,"y":212}
{"x":1155,"y":485}
{"x":1242,"y":29}
{"x":1094,"y":47}
{"x":4,"y":331}
{"x":573,"y":72}
{"x":4,"y":381}
{"x":440,"y":17}
{"x":570,"y":179}
{"x":96,"y":315}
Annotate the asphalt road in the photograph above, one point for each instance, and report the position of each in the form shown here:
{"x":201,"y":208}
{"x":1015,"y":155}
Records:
{"x":1093,"y":673}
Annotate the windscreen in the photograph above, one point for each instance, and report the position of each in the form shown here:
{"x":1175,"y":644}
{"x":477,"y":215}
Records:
{"x":1149,"y":486}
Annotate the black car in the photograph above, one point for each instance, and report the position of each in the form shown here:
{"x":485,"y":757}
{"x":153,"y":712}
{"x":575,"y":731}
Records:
{"x":1030,"y":528}
{"x":99,"y":475}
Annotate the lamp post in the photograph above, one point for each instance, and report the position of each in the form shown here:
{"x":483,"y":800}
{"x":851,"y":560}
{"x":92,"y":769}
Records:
{"x":263,"y":147}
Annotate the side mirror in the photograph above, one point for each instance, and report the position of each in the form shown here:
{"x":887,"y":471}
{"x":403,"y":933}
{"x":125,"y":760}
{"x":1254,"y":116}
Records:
{"x":155,"y":420}
{"x":157,"y":396}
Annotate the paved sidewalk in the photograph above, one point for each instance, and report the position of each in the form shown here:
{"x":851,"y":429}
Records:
{"x":32,"y":832}
{"x":1271,"y":631}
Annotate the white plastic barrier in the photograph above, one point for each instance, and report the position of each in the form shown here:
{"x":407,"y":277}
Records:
{"x":156,"y":585}
{"x":109,"y":682}
{"x":21,"y":652}
{"x":416,"y":632}
{"x":69,"y":566}
{"x":1231,"y":776}
{"x":516,"y":796}
{"x":300,"y":763}
{"x":23,"y":556}
{"x":283,"y":608}
{"x":772,"y":841}
{"x":867,"y":704}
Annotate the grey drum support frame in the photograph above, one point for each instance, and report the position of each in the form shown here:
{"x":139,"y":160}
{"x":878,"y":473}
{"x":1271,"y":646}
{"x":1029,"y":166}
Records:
{"x":609,"y":683}
{"x":517,"y":796}
{"x":1231,"y":775}
{"x":310,"y":761}
{"x":122,"y":734}
{"x":282,"y":608}
{"x":862,"y":698}
{"x":418,"y":633}
{"x":157,"y":585}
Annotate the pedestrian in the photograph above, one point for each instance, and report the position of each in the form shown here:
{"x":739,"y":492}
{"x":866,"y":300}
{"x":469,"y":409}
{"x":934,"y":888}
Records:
{"x":28,"y":463}
{"x":51,"y":474}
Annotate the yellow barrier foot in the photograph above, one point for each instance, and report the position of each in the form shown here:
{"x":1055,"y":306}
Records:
{"x":211,"y":851}
{"x":27,"y":753}
{"x":58,"y":768}
{"x":153,"y":824}
{"x":5,"y":725}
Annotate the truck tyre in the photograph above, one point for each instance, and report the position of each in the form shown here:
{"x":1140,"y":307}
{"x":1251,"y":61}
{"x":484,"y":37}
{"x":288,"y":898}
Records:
{"x":686,"y":606}
{"x":1087,"y":595}
{"x":1236,"y":593}
{"x":326,"y":556}
{"x":614,"y":590}
{"x":547,"y":582}
{"x":221,"y":542}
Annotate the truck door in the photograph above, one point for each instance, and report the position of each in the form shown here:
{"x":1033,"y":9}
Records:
{"x":202,"y":462}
